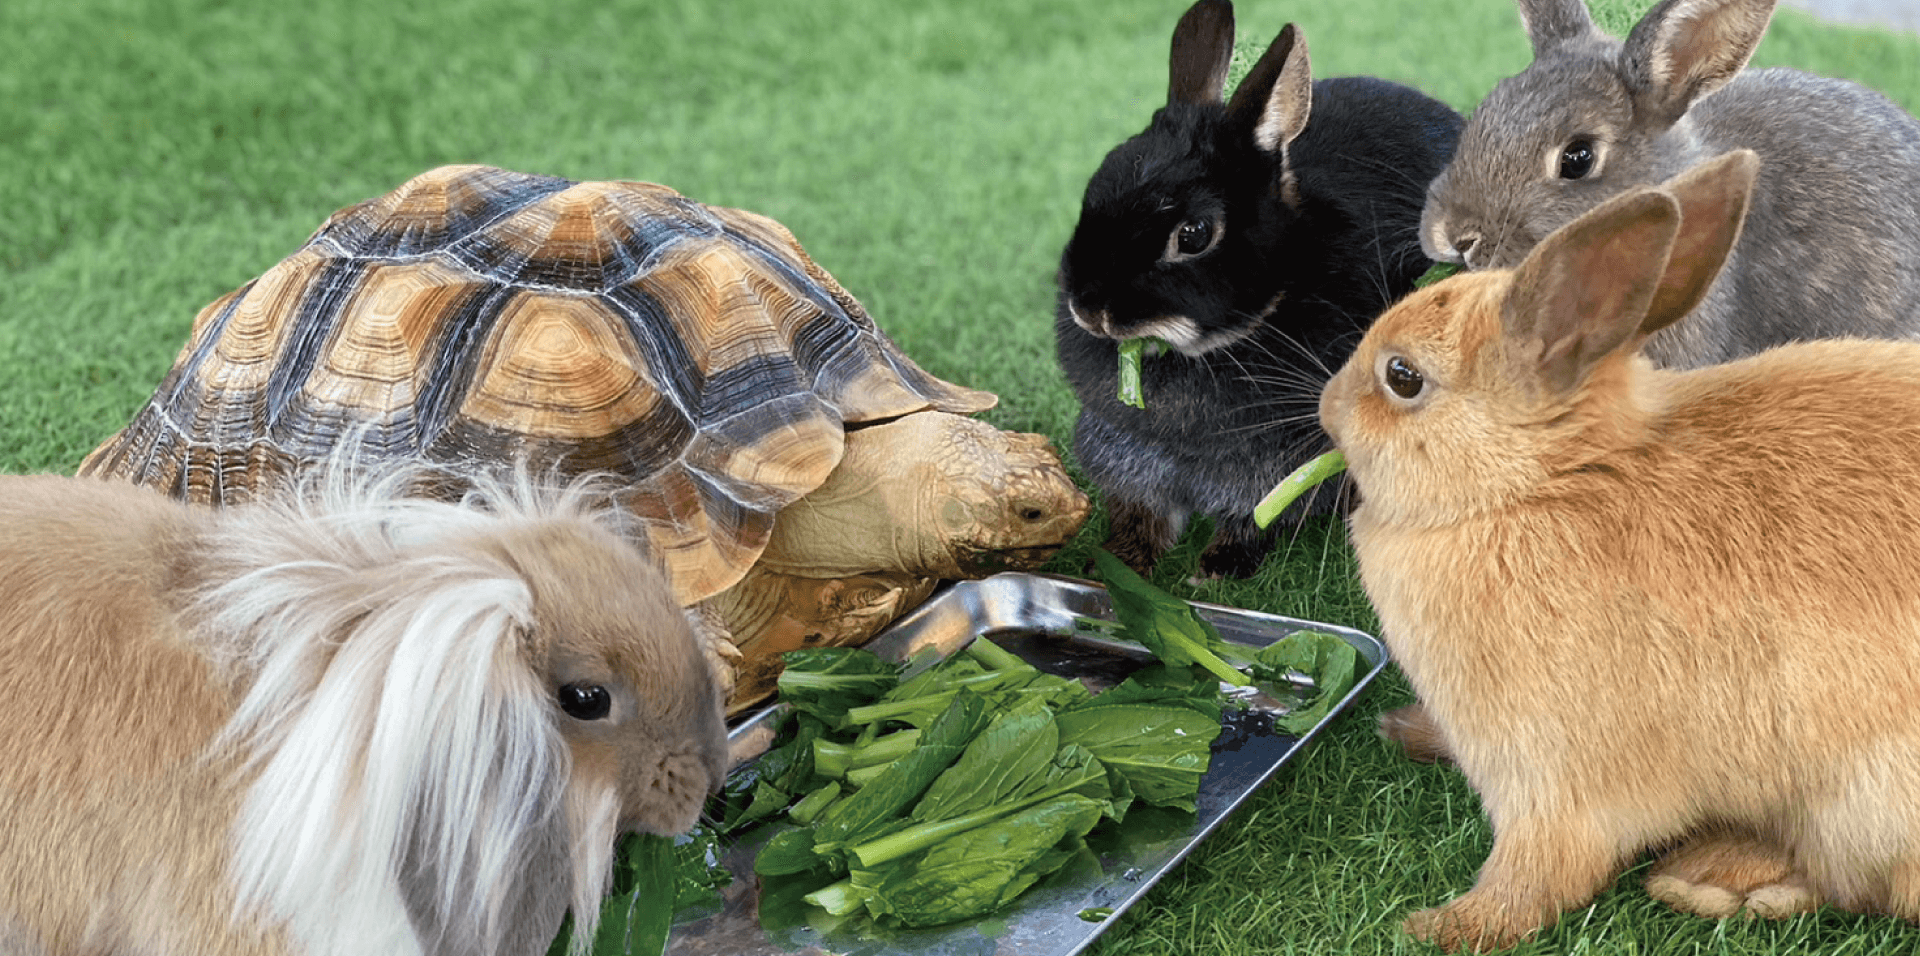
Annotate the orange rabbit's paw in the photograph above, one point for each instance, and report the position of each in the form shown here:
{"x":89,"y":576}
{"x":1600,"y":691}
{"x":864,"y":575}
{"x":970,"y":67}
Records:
{"x":1467,"y":925}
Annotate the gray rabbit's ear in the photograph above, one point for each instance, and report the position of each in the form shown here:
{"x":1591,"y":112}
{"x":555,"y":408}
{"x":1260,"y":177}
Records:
{"x":1683,"y":50}
{"x":1202,"y":51}
{"x":1583,"y":291}
{"x":1713,"y":198}
{"x":1277,"y":93}
{"x":1550,"y":23}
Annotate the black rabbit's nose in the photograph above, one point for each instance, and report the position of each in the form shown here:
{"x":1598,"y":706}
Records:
{"x":1098,"y":322}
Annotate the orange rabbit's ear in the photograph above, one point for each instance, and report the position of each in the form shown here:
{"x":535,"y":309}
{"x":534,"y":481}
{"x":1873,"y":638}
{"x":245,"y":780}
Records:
{"x":1713,"y":198}
{"x":1583,"y":292}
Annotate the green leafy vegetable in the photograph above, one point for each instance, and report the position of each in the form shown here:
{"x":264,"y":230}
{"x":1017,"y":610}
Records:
{"x":1130,"y":355}
{"x":985,"y":868}
{"x":1161,"y":750}
{"x":1438,"y":271}
{"x":826,"y":684}
{"x":654,"y":877}
{"x":1330,"y":662}
{"x":1162,"y":623}
{"x":1096,"y":914}
{"x":861,"y":815}
{"x":1296,"y":484}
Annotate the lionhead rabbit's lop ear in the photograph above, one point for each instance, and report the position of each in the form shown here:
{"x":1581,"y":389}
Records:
{"x":1632,"y":266}
{"x":1202,"y":52}
{"x":1683,"y":50}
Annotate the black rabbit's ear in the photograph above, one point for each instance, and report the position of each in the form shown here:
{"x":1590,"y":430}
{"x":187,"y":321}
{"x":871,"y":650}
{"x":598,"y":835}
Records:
{"x":1277,"y":94}
{"x":1202,"y":51}
{"x":1550,"y":23}
{"x":1683,"y":50}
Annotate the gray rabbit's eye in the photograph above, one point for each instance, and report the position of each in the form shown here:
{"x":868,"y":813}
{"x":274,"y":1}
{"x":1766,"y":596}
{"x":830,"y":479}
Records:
{"x":1403,"y":378}
{"x":1576,"y":161}
{"x":1190,"y":238}
{"x":584,"y":701}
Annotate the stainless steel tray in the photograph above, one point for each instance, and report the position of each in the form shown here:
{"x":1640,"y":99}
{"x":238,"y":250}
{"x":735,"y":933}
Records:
{"x":1035,"y":615}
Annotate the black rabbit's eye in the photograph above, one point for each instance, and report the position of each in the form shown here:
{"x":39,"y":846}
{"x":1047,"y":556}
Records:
{"x":1193,"y":237}
{"x":1403,"y":378}
{"x":1576,"y":161}
{"x":584,"y":701}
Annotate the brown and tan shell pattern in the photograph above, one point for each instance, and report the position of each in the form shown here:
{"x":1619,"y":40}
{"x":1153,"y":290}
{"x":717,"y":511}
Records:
{"x":475,"y":314}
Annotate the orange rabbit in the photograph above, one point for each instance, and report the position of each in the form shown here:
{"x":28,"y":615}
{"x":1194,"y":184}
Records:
{"x":1647,"y":609}
{"x":350,"y":723}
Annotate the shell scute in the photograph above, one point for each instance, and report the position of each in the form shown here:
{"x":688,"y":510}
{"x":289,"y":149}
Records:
{"x":431,"y":211}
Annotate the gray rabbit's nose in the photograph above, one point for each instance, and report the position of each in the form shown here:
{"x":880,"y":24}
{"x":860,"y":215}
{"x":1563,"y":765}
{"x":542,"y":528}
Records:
{"x":1464,"y":247}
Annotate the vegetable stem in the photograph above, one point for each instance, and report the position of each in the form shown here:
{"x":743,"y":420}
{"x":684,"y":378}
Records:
{"x":1296,"y":484}
{"x":1131,"y":351}
{"x":831,"y":759}
{"x":838,"y":898}
{"x":917,"y":838}
{"x":994,"y":657}
{"x":810,"y":806}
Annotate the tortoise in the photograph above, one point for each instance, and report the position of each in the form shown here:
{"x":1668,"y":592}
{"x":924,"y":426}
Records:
{"x":475,"y":315}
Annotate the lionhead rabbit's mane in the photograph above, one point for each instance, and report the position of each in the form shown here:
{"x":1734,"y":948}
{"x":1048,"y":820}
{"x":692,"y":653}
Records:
{"x":382,"y":641}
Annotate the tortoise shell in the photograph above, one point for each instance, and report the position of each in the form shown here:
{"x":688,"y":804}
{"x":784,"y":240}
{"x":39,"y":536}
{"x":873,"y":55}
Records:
{"x":475,"y":314}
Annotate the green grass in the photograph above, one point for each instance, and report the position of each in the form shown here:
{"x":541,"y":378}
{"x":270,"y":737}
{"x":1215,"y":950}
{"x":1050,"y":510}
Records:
{"x":158,"y":153}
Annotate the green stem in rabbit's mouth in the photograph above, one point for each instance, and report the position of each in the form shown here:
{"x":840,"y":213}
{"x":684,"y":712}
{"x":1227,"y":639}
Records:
{"x":1132,"y":351}
{"x":1293,"y":486}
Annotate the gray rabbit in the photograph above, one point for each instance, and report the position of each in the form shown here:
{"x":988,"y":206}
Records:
{"x":1832,"y":244}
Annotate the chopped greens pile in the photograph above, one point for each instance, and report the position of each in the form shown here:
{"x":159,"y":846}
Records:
{"x":944,"y":796}
{"x":938,"y":791}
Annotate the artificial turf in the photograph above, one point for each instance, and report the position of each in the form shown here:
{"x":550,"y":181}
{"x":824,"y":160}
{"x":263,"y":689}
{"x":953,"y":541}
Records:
{"x":155,"y":154}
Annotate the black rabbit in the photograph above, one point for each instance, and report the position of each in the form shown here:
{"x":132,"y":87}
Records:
{"x":1258,"y":243}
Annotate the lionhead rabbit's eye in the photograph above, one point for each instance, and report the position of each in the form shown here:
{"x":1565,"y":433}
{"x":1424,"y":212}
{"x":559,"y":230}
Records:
{"x":584,"y":701}
{"x":1192,"y":237}
{"x":1403,"y":378}
{"x":1576,"y":161}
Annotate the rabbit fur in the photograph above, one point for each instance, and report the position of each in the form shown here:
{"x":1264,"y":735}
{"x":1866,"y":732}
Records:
{"x":1299,"y":202}
{"x":333,"y":723}
{"x":1832,"y":243}
{"x":1647,"y":608}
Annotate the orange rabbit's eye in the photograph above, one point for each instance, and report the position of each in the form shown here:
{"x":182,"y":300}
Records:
{"x":1403,"y":378}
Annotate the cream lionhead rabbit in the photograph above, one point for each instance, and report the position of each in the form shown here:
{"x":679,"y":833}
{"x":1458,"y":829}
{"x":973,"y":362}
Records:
{"x":1647,"y":609}
{"x":347,"y":724}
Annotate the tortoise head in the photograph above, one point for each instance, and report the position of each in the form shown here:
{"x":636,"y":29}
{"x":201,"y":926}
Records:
{"x":934,"y":494}
{"x":1005,"y":501}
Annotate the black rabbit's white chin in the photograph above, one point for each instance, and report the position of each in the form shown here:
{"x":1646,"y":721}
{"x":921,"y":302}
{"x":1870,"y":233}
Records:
{"x":1185,"y":335}
{"x":1188,"y":338}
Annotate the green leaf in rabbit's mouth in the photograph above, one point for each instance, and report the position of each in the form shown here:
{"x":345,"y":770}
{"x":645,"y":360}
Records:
{"x":1296,"y":484}
{"x":1132,"y":351}
{"x":1440,"y":270}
